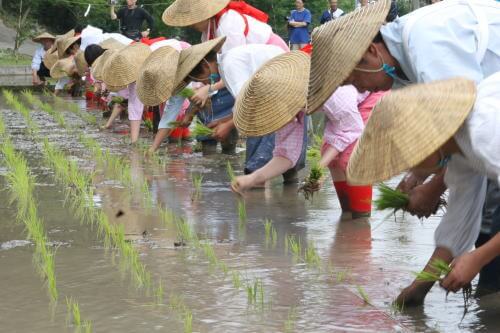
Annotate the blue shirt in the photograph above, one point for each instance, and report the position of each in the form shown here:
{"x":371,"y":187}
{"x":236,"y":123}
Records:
{"x":300,"y":35}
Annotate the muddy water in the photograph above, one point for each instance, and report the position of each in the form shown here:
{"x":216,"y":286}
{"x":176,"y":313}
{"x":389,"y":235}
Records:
{"x":378,"y":255}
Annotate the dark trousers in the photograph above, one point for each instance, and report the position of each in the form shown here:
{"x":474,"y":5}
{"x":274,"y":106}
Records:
{"x":43,"y":72}
{"x":489,"y":277}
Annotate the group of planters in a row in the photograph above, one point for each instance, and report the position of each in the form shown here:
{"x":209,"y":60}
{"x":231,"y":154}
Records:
{"x":440,"y":124}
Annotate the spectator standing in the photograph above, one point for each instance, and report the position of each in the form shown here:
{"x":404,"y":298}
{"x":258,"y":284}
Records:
{"x":38,"y":69}
{"x":332,"y":13}
{"x":131,"y":20}
{"x":299,"y":22}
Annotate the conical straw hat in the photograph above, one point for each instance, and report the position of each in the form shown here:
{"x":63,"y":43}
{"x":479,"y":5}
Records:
{"x":407,"y":126}
{"x":62,"y":68}
{"x":49,"y":59}
{"x":191,"y":57}
{"x":183,"y":13}
{"x":338,"y":46}
{"x":81,"y":63}
{"x":111,"y":44}
{"x":63,"y":44}
{"x":157,"y":76}
{"x":123,"y":67}
{"x":115,"y":88}
{"x":274,"y":95}
{"x":45,"y":35}
{"x":98,"y":65}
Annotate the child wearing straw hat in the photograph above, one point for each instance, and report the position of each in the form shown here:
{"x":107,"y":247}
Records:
{"x":38,"y":68}
{"x":239,"y":22}
{"x":273,"y":101}
{"x":120,"y":72}
{"x":431,"y":126}
{"x":440,"y":41}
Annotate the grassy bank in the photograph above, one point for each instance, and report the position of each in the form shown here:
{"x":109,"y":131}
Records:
{"x":8,"y":58}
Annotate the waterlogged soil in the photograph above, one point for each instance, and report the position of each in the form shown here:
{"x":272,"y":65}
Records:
{"x":377,"y":256}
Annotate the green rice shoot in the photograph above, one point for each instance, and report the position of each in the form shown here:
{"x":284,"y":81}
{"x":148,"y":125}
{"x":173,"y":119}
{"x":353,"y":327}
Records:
{"x":187,"y":93}
{"x":440,"y":269}
{"x":391,"y":199}
{"x":363,"y":294}
{"x":200,"y":130}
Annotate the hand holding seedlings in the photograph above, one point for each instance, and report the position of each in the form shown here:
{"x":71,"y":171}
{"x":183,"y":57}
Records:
{"x":201,"y":130}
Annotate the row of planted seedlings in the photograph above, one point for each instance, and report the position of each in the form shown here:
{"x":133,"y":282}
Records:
{"x":79,"y":194}
{"x":21,"y":185}
{"x":253,"y":288}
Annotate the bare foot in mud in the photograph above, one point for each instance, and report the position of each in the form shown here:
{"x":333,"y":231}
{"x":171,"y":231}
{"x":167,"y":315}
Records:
{"x":413,"y":295}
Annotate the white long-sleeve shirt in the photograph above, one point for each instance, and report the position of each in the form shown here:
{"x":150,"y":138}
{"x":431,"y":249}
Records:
{"x":466,"y":175}
{"x":445,"y":40}
{"x":37,"y":58}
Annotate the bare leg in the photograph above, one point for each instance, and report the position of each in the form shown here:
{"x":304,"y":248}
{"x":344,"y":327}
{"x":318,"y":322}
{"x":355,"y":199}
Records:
{"x":414,"y":294}
{"x":160,"y":136}
{"x":135,"y":129}
{"x":117,"y":110}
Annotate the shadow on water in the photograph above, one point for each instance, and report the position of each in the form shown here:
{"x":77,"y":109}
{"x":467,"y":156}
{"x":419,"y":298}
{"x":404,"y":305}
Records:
{"x":377,"y":256}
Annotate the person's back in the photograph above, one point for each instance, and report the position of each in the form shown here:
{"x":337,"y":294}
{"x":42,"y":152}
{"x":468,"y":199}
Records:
{"x":331,"y":13}
{"x":451,"y":38}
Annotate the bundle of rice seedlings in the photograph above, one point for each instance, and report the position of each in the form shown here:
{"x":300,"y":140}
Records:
{"x":396,"y":200}
{"x":117,"y":100}
{"x":187,"y":93}
{"x":149,"y":125}
{"x":200,"y":129}
{"x":441,"y":269}
{"x":312,"y":182}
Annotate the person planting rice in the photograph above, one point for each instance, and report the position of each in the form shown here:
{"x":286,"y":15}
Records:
{"x":201,"y":64}
{"x":120,"y":73}
{"x":280,"y":87}
{"x":155,"y":85}
{"x":359,"y":49}
{"x":429,"y":127}
{"x":239,"y":22}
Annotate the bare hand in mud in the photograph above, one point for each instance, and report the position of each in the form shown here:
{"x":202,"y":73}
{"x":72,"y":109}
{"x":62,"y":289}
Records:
{"x":201,"y":95}
{"x":242,"y":184}
{"x":424,"y":201}
{"x":463,"y":271}
{"x":413,"y":295}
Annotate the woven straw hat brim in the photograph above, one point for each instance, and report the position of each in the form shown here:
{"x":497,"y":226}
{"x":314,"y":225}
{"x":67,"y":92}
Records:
{"x":338,"y":46}
{"x":45,"y":35}
{"x":98,"y":65}
{"x":62,"y":68}
{"x":123,"y":67}
{"x":115,"y":88}
{"x":49,"y":59}
{"x":111,"y":44}
{"x":156,"y":77}
{"x":191,"y":57}
{"x":183,"y":13}
{"x":81,"y":63}
{"x":274,"y":95}
{"x":64,"y":44}
{"x":407,"y":126}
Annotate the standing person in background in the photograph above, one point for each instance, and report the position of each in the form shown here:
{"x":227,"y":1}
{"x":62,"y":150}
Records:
{"x":332,"y":13}
{"x":299,"y":22}
{"x":38,"y":69}
{"x":131,"y":20}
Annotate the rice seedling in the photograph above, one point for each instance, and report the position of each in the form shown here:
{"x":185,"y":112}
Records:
{"x":312,"y":183}
{"x":440,"y":269}
{"x":149,"y":125}
{"x":242,"y":211}
{"x":363,"y":294}
{"x":293,"y":245}
{"x":188,"y":322}
{"x":187,"y":93}
{"x":74,"y":316}
{"x":236,"y":279}
{"x":311,"y":256}
{"x":255,"y":292}
{"x":200,"y":130}
{"x":271,"y":233}
{"x":197,"y":180}
{"x":290,"y":320}
{"x":14,"y":102}
{"x":230,"y":171}
{"x":159,"y":292}
{"x":342,"y":276}
{"x":209,"y":251}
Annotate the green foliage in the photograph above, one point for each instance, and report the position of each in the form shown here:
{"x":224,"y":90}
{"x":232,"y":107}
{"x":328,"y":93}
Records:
{"x":391,"y":199}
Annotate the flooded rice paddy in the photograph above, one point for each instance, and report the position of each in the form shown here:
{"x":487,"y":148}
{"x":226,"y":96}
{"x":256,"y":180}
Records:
{"x":138,"y":246}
